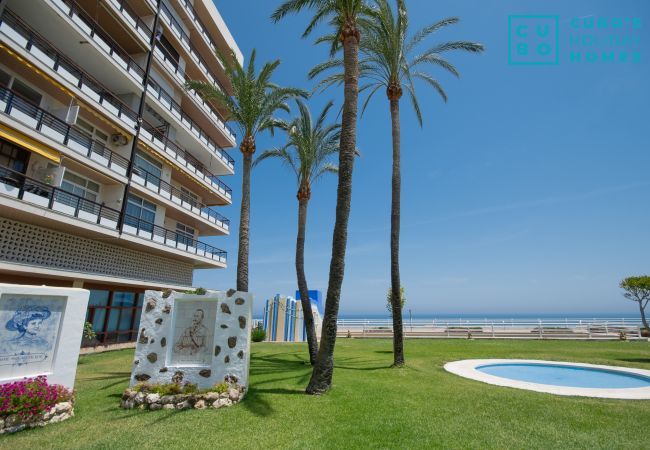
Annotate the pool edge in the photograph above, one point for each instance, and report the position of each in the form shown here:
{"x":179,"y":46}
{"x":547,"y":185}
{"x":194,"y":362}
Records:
{"x":466,"y":368}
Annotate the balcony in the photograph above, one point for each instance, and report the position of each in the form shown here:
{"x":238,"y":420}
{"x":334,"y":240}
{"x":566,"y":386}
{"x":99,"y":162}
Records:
{"x":169,"y":238}
{"x":86,"y":26}
{"x":45,"y":53}
{"x":176,"y":196}
{"x":194,"y":16}
{"x":154,"y":138}
{"x":16,"y":185}
{"x":188,"y":126}
{"x":131,"y":17}
{"x":50,"y":126}
{"x":181,"y":78}
{"x":184,"y":39}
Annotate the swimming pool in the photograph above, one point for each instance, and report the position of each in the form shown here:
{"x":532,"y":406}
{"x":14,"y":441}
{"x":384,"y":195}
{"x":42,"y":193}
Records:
{"x":561,"y":378}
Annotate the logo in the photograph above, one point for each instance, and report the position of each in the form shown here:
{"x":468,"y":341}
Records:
{"x":533,"y":40}
{"x":605,"y":39}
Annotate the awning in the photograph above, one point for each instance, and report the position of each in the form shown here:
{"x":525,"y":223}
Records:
{"x":30,"y":144}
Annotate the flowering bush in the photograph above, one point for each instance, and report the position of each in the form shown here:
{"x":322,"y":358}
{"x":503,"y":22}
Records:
{"x":31,"y":397}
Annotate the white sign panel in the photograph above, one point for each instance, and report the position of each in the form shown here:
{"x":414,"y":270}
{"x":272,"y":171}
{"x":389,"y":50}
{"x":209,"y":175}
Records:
{"x":40,"y":332}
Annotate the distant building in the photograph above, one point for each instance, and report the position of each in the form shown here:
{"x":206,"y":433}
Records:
{"x":316,"y":298}
{"x":283,"y":319}
{"x":110,"y":171}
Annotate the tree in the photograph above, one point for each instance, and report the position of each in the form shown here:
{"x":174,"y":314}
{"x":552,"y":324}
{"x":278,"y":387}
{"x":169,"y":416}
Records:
{"x":252,"y":105}
{"x":344,"y":17}
{"x":389,"y":62}
{"x":637,"y":289}
{"x":308,"y":151}
{"x":389,"y":300}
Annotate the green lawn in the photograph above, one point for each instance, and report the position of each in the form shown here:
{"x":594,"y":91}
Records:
{"x":371,"y":404}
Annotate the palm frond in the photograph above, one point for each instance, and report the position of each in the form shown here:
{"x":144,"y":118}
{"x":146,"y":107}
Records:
{"x":310,"y":144}
{"x":426,"y":31}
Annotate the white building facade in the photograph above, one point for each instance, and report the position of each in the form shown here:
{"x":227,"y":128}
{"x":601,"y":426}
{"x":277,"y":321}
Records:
{"x":110,"y":170}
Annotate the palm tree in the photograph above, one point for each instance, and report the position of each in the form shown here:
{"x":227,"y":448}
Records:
{"x":344,"y":16}
{"x":308,"y":152}
{"x":389,"y":62}
{"x":252,"y":105}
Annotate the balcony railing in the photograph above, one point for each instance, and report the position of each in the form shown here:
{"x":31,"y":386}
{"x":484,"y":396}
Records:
{"x":17,"y":185}
{"x":163,"y":54}
{"x":177,"y":29}
{"x":198,"y":23}
{"x":100,"y":37}
{"x":149,"y":231}
{"x":175,"y":195}
{"x":45,"y":52}
{"x":30,"y":115}
{"x":153,"y":136}
{"x":169,"y":103}
{"x":132,"y":18}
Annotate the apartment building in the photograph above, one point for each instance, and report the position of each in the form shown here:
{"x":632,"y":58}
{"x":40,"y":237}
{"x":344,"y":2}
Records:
{"x":110,"y":170}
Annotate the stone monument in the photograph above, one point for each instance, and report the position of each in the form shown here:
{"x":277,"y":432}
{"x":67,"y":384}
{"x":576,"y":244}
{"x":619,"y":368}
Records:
{"x":197,"y":339}
{"x":40,"y":332}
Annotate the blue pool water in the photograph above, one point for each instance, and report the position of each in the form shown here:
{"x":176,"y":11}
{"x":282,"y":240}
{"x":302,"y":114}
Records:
{"x":558,"y":375}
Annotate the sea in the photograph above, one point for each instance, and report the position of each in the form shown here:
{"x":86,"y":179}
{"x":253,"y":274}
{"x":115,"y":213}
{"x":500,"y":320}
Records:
{"x":495,"y":316}
{"x":490,"y":317}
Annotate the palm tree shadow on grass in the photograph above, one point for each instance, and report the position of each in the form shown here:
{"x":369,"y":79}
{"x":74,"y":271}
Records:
{"x":256,"y":402}
{"x":124,"y":381}
{"x":106,"y":376}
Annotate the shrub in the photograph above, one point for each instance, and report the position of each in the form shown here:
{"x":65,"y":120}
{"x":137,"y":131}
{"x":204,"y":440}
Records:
{"x":258,"y":334}
{"x":219,"y":388}
{"x":166,"y":389}
{"x":88,"y":332}
{"x":197,"y":291}
{"x":190,"y":388}
{"x":31,"y":397}
{"x":142,"y":387}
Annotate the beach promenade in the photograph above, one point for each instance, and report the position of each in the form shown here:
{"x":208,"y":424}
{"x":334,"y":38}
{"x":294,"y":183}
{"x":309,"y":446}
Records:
{"x":596,"y":329}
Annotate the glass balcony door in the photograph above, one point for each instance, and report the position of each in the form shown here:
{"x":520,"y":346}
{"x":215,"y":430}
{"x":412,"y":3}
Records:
{"x":140,"y":213}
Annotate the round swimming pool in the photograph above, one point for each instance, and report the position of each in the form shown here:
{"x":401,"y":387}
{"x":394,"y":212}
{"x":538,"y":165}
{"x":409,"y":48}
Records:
{"x":562,"y":378}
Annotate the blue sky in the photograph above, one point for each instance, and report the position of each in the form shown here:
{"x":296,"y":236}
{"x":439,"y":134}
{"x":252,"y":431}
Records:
{"x":526,"y":193}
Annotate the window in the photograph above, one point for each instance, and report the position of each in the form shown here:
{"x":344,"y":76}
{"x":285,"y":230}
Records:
{"x":12,"y":157}
{"x":169,"y":51}
{"x":78,"y":185}
{"x":82,"y":188}
{"x":189,"y":196}
{"x":150,"y":165}
{"x":140,"y":213}
{"x":5,"y":78}
{"x":184,"y":234}
{"x":27,"y":92}
{"x":92,"y":132}
{"x":114,"y":315}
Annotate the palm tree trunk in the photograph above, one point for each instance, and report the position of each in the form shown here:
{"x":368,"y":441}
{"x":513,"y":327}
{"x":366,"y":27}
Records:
{"x":396,"y":287}
{"x":321,"y":378}
{"x":244,"y":224}
{"x":312,"y":341}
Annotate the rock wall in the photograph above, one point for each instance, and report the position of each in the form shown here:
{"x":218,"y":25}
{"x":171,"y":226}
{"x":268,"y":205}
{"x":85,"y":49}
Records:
{"x":131,"y":399}
{"x":60,"y":412}
{"x":198,"y":339}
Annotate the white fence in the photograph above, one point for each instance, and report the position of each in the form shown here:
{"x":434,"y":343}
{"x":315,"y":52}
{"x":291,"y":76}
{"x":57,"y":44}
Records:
{"x":607,"y":328}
